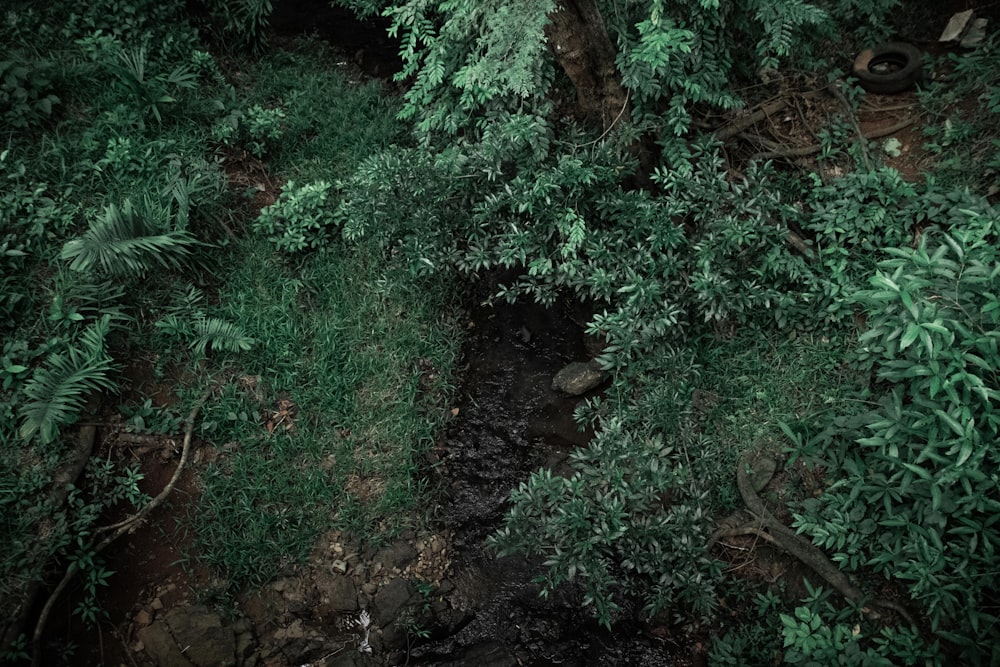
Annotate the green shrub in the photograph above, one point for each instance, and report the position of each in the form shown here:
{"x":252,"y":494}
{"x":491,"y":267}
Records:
{"x":26,"y":96}
{"x":258,"y":128}
{"x":301,"y":218}
{"x":630,"y":518}
{"x":242,"y":22}
{"x":917,"y":495}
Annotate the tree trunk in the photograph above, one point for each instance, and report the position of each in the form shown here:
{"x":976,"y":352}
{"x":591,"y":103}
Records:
{"x":579,"y":39}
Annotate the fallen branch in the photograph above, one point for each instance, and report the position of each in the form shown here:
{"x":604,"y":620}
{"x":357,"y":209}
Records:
{"x":743,"y":122}
{"x":801,"y":151}
{"x":118,"y":529}
{"x":862,"y":140}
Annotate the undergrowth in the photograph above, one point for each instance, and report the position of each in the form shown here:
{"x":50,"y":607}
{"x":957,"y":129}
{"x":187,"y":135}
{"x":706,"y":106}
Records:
{"x":866,"y":352}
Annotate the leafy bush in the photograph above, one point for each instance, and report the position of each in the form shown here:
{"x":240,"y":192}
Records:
{"x":242,"y":21}
{"x":918,"y":497}
{"x":258,"y":128}
{"x":149,"y":93}
{"x":965,"y":137}
{"x":301,"y":218}
{"x":611,"y":524}
{"x":25,"y":92}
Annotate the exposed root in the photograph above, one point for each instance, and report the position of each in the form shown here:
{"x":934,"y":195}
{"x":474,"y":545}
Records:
{"x":117,"y":530}
{"x":765,"y":526}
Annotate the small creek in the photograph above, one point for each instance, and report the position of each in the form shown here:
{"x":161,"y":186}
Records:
{"x":511,"y":422}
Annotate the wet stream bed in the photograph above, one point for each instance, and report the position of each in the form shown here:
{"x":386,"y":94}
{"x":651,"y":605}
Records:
{"x":510,"y":423}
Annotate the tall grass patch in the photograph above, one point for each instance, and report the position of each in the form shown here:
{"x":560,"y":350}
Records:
{"x":342,"y":408}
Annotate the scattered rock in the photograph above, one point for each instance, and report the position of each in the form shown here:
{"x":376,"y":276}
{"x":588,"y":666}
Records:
{"x":398,"y":555}
{"x":343,"y":594}
{"x":188,"y":636}
{"x":579,"y":377}
{"x":143,"y":617}
{"x":156,"y":604}
{"x":391,"y":599}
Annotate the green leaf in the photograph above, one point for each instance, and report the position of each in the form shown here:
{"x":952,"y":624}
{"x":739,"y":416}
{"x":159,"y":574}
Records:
{"x":910,"y":306}
{"x":951,"y":423}
{"x":912,"y":332}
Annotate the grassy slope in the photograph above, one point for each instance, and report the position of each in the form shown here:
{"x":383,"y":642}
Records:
{"x":343,"y":335}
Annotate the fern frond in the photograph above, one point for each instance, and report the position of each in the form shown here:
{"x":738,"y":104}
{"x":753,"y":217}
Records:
{"x":219,"y":335}
{"x":58,"y":389}
{"x":128,"y":241}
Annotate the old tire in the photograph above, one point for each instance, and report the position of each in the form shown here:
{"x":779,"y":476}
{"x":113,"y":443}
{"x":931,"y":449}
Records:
{"x":888,"y":69}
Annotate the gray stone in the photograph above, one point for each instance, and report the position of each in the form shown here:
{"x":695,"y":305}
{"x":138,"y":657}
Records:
{"x":394,"y":638}
{"x":391,"y":599}
{"x":188,"y":636}
{"x":208,"y":642}
{"x":763,"y":468}
{"x":160,"y":645}
{"x":398,"y":555}
{"x":343,"y":594}
{"x":579,"y":377}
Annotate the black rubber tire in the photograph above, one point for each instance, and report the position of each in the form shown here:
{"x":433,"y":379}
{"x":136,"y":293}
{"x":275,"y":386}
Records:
{"x":909,"y":62}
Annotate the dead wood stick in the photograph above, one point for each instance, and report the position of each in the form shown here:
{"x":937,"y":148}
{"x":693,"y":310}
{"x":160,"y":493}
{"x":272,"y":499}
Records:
{"x":802,"y":151}
{"x":743,"y":122}
{"x":118,"y":529}
{"x":862,"y":140}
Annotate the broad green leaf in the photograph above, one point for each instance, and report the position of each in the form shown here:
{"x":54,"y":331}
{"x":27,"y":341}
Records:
{"x":912,"y":332}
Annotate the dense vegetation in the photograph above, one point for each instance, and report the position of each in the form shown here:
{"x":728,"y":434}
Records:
{"x":866,"y":351}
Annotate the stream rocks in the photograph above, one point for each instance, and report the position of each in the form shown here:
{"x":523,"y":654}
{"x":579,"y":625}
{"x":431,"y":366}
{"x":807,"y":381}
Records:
{"x":438,"y":596}
{"x":579,"y":377}
{"x":196,"y":636}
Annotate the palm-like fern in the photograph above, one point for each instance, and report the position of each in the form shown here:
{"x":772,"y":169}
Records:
{"x":58,"y":389}
{"x":219,"y":335}
{"x":130,"y":241}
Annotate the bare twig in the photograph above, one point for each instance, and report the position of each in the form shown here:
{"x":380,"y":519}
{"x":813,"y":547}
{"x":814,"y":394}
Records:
{"x":862,"y":140}
{"x":611,"y":126}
